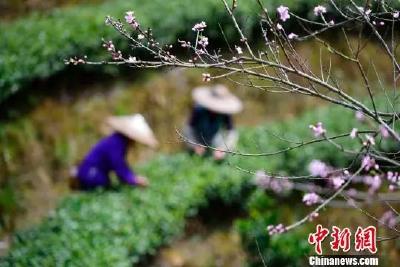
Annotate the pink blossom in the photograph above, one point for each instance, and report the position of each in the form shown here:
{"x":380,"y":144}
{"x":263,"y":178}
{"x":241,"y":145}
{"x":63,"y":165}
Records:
{"x":311,"y":199}
{"x":351,"y":202}
{"x":131,"y":19}
{"x":354,"y":133}
{"x":389,"y":218}
{"x":313,"y":216}
{"x":369,"y":163}
{"x":279,"y":26}
{"x":392,"y":177}
{"x":331,"y":22}
{"x":369,"y":140}
{"x":318,"y":129}
{"x":360,"y":116}
{"x":184,"y":43}
{"x":396,"y":14}
{"x":116,"y":55}
{"x":200,"y":52}
{"x":337,"y":182}
{"x":75,"y":61}
{"x":276,"y":229}
{"x":384,"y":131}
{"x":239,"y":50}
{"x":283,"y":12}
{"x":280,"y":185}
{"x":292,"y":36}
{"x":131,"y":60}
{"x":319,"y":10}
{"x":109,"y":46}
{"x":352,"y":192}
{"x":286,"y":184}
{"x":382,"y":23}
{"x":277,"y":185}
{"x":262,"y":180}
{"x":374,"y":183}
{"x":318,"y":168}
{"x":362,"y":10}
{"x":203,"y":41}
{"x":199,"y":27}
{"x":392,"y":187}
{"x":206,"y":77}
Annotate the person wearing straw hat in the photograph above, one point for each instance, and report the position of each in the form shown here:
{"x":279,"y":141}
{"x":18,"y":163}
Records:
{"x":108,"y":155}
{"x":211,"y":123}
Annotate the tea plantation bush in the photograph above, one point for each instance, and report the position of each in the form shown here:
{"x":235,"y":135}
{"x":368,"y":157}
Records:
{"x":117,"y":228}
{"x":290,"y":249}
{"x":34,"y":46}
{"x":78,"y":30}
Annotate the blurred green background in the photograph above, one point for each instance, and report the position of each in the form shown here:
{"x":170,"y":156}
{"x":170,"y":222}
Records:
{"x":199,"y":213}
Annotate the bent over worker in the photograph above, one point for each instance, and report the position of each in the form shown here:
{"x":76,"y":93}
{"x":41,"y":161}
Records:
{"x":211,"y":123}
{"x":109,"y":154}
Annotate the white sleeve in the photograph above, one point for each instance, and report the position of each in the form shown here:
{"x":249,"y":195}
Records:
{"x":226,"y":140}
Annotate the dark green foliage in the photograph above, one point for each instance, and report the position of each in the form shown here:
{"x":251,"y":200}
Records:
{"x":118,"y":227}
{"x":115,"y":228}
{"x":35,"y":46}
{"x":288,"y":249}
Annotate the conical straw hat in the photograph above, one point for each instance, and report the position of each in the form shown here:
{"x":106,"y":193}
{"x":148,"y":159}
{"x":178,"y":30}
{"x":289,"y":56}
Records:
{"x":134,"y":127}
{"x":218,"y":99}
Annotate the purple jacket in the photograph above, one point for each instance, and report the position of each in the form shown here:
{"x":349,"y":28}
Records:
{"x":106,"y":156}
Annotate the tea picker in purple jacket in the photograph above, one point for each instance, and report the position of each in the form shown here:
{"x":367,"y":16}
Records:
{"x":211,"y":122}
{"x":109,"y":154}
